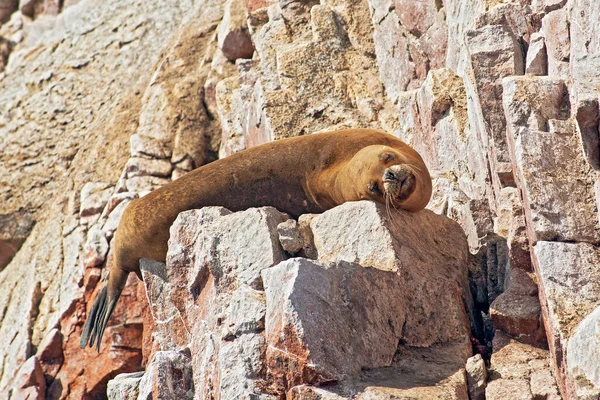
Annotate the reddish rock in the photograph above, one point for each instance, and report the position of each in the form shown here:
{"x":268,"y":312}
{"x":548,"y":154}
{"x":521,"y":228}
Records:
{"x":518,"y":315}
{"x":417,"y":373}
{"x":7,"y":7}
{"x":233,"y":36}
{"x":536,"y":110}
{"x":494,"y":53}
{"x":87,"y":372}
{"x":361,"y":232}
{"x":408,"y":42}
{"x":213,"y":268}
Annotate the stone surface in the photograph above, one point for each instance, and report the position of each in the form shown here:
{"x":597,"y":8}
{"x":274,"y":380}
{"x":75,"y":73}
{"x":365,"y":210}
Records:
{"x":495,"y":53}
{"x":168,"y":376}
{"x":134,"y":94}
{"x":569,"y":280}
{"x":290,"y":236}
{"x":558,"y":186}
{"x":518,"y":370}
{"x":500,"y":389}
{"x":436,"y":122}
{"x":29,"y":382}
{"x":363,"y":233}
{"x":307,"y":302}
{"x":14,"y":229}
{"x":233,"y":36}
{"x":517,"y":310}
{"x":410,"y":39}
{"x":476,"y":377}
{"x":213,"y":270}
{"x":50,"y":354}
{"x":555,"y":28}
{"x":582,"y":355}
{"x":124,"y":386}
{"x":417,"y":373}
{"x":537,"y":58}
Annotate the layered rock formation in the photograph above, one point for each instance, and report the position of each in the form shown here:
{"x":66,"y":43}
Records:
{"x":104,"y":101}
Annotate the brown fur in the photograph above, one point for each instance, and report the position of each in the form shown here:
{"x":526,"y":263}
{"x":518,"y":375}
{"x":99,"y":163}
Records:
{"x":308,"y":174}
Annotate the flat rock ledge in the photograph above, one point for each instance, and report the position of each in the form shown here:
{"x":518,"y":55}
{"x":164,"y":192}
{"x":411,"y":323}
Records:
{"x":381,"y":311}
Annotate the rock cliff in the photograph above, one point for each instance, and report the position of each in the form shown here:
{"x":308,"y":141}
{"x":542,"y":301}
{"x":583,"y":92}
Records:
{"x":491,"y":293}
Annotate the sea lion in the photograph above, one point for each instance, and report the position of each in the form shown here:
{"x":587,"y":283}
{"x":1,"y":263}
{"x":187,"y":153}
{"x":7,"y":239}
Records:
{"x":307,"y":174}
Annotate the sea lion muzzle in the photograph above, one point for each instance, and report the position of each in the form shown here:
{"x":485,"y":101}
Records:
{"x":399,"y":181}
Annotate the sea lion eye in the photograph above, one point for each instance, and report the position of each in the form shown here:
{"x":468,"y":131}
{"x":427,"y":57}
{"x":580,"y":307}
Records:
{"x":386,"y":157}
{"x":374,"y":188}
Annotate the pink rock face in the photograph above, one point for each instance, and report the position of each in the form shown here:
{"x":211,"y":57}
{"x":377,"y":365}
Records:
{"x":555,"y":28}
{"x":227,"y":294}
{"x":519,"y":371}
{"x":311,"y":306}
{"x":563,"y":186}
{"x":570,"y":281}
{"x":495,"y":53}
{"x":408,"y":42}
{"x":360,"y":232}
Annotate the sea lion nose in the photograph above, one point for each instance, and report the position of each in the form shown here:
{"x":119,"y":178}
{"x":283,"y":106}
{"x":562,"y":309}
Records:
{"x":389,"y":175}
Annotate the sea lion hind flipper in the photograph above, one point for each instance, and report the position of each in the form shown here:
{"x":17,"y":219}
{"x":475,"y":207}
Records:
{"x":90,"y":327}
{"x":97,"y":320}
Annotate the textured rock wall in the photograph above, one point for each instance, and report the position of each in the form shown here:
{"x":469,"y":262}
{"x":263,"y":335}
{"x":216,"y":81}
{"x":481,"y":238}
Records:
{"x":104,"y":101}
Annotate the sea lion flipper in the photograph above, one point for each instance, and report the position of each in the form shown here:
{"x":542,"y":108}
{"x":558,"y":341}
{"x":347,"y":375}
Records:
{"x":102,"y":309}
{"x":90,"y":324}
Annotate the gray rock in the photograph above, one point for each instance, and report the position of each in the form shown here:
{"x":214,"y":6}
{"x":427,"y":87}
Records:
{"x":124,"y":386}
{"x":537,"y":58}
{"x":416,"y":245}
{"x":289,"y":236}
{"x":476,"y":377}
{"x":583,"y":353}
{"x":562,"y":184}
{"x":314,"y":312}
{"x":137,"y":166}
{"x":168,"y":376}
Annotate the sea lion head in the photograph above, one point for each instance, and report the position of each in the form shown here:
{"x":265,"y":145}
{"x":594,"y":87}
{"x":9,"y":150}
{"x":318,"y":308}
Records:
{"x":394,"y":176}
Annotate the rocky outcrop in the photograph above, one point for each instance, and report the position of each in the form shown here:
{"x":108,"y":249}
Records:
{"x":369,"y":301}
{"x":105,"y":101}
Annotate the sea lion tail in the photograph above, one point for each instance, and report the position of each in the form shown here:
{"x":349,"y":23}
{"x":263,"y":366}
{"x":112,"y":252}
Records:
{"x":101,"y":311}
